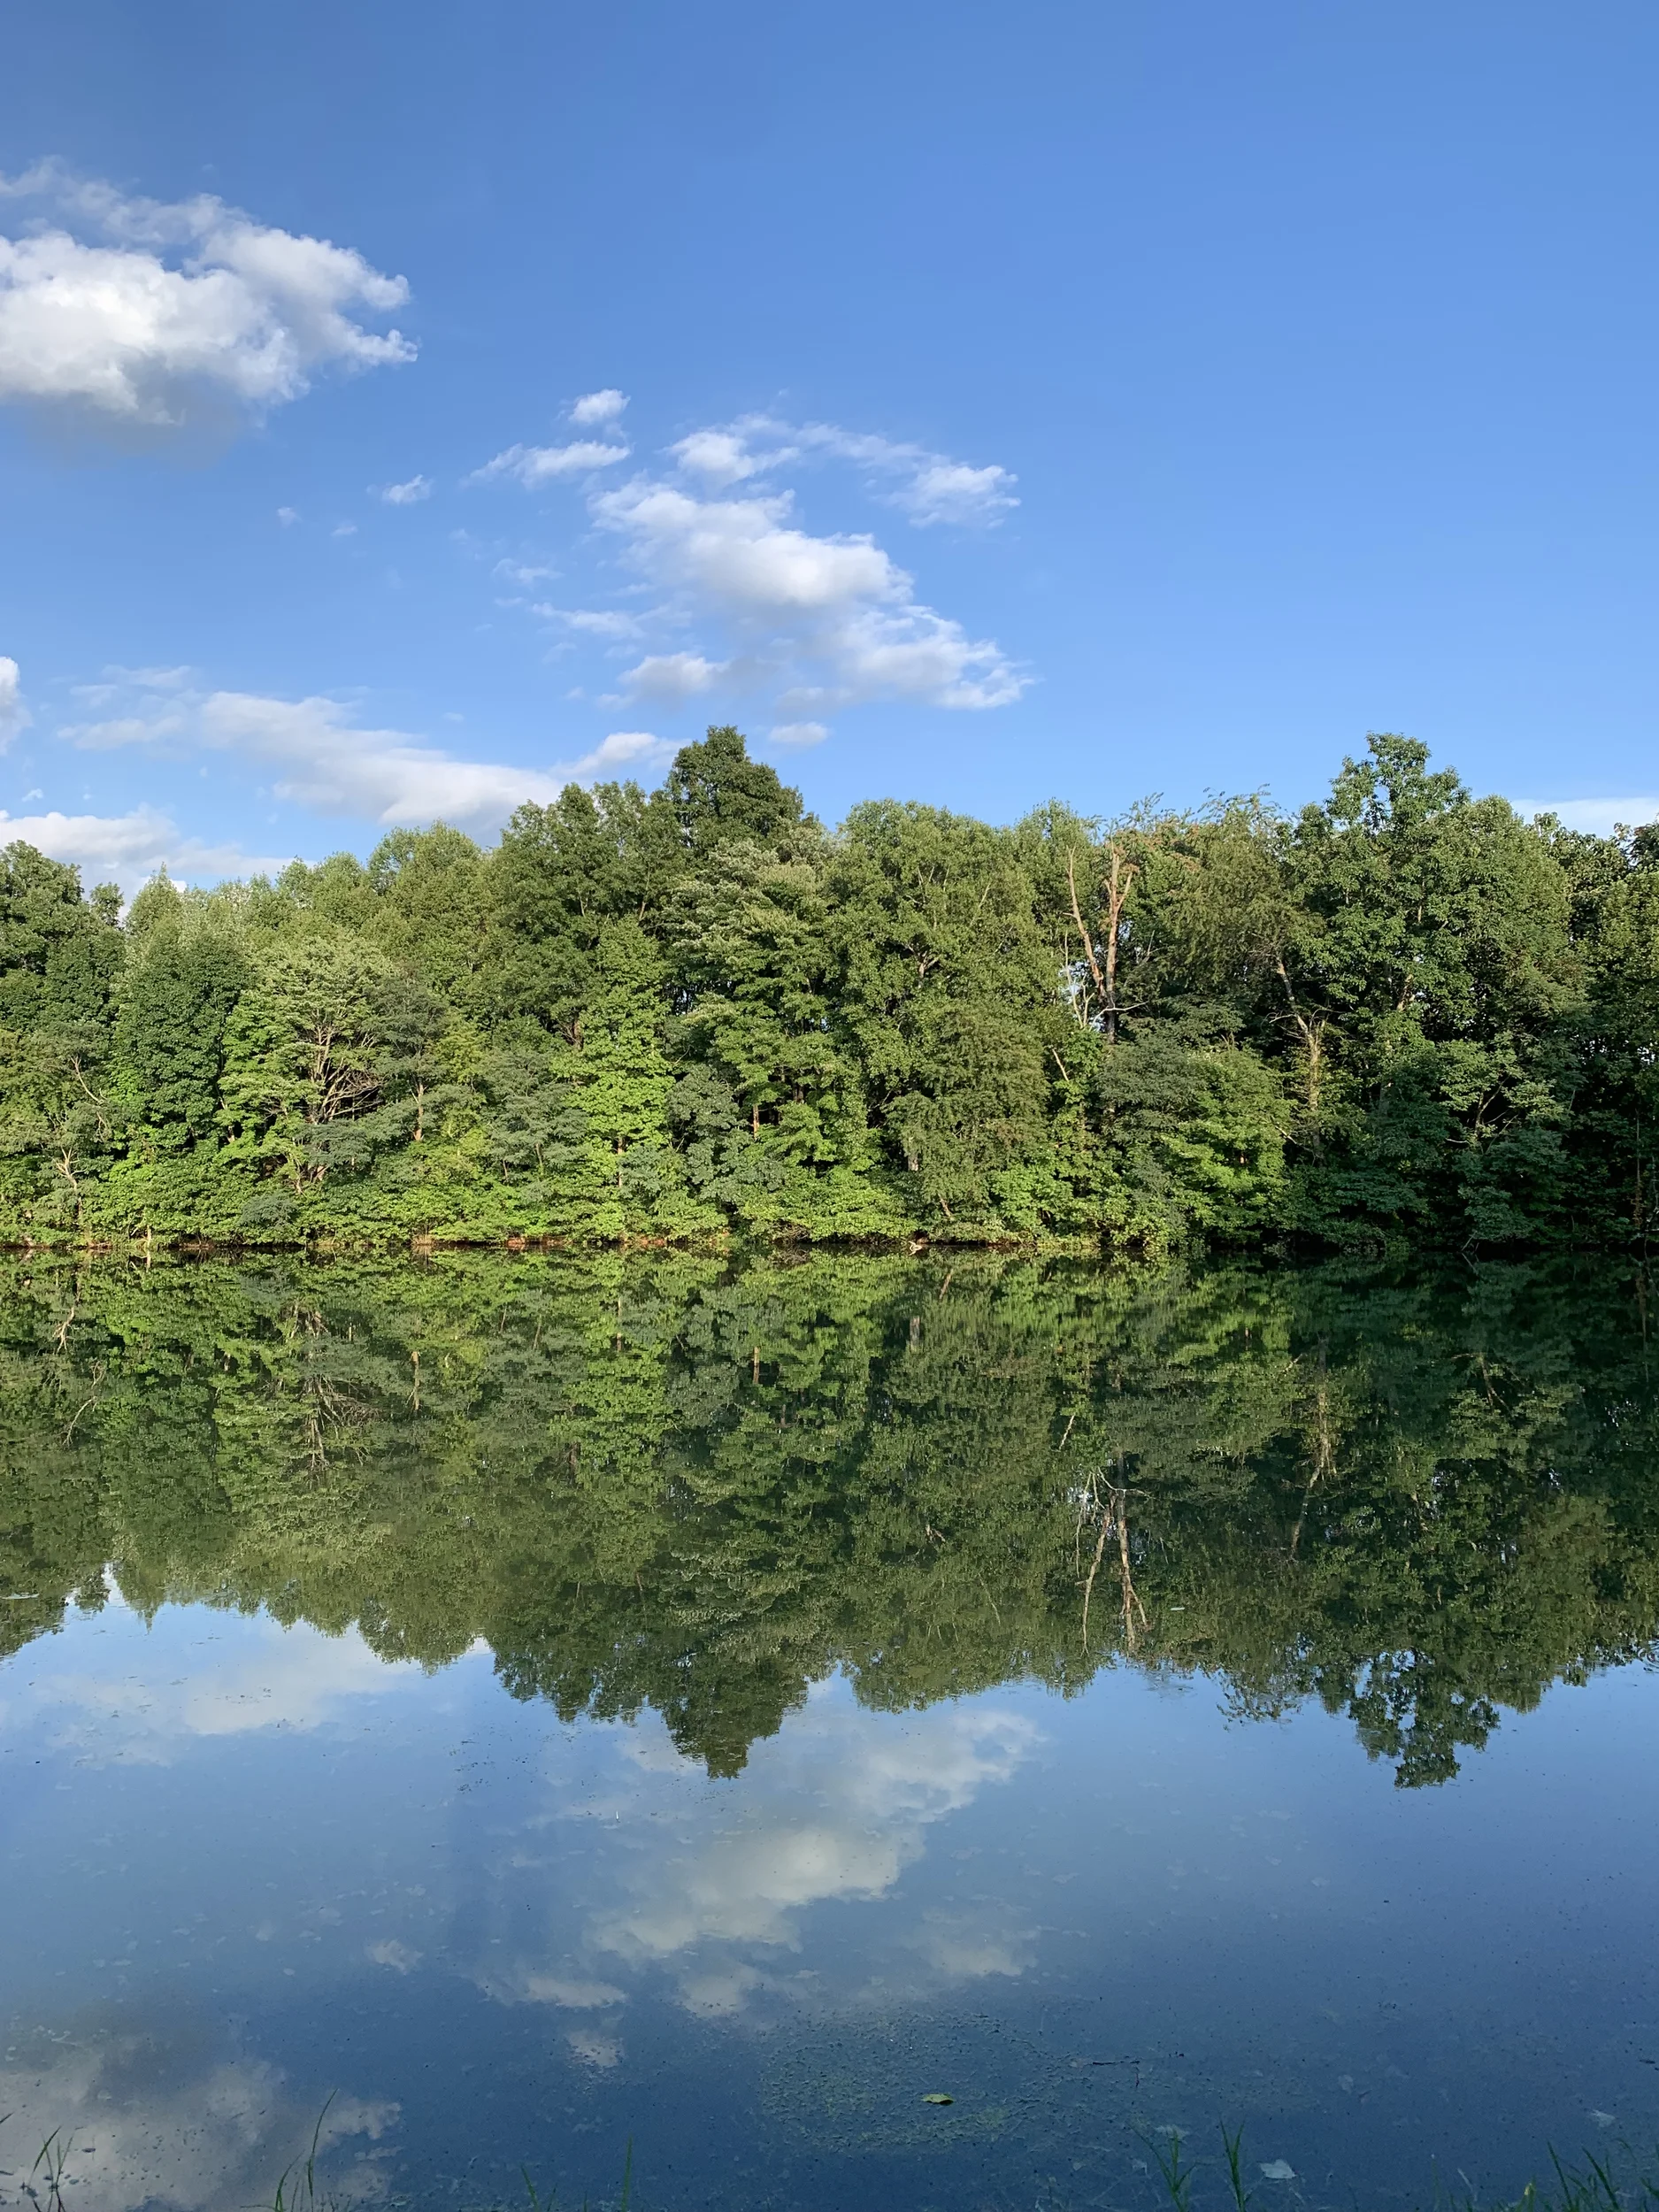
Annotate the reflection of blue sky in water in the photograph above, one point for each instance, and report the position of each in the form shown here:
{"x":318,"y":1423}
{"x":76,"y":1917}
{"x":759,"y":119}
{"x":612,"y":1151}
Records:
{"x":619,"y":1867}
{"x":243,"y":1674}
{"x":244,"y":1866}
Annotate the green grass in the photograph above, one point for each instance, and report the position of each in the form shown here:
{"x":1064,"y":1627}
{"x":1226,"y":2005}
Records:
{"x":1593,"y":2186}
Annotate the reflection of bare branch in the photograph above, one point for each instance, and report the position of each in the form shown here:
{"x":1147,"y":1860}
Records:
{"x":1088,"y":1587}
{"x":63,"y":1330}
{"x":97,"y":1376}
{"x":1114,"y":1520}
{"x":1324,"y":1454}
{"x":1131,"y":1604}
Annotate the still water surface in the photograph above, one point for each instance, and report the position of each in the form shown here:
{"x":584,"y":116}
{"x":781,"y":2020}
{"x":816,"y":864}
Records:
{"x":547,"y":1708}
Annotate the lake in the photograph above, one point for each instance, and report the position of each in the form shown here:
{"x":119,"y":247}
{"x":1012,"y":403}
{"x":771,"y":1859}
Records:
{"x":539,"y":1715}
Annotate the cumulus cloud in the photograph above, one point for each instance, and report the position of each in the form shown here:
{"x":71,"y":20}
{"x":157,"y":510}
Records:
{"x":798,"y":733}
{"x":14,"y":715}
{"x":820,"y":620}
{"x":409,"y":494}
{"x":796,"y":599}
{"x":723,"y":456}
{"x":596,"y":408}
{"x":673,"y":676}
{"x":533,"y":465}
{"x":325,"y":762}
{"x":143,"y":315}
{"x":129,"y":849}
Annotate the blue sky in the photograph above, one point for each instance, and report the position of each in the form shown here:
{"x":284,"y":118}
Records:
{"x":404,"y":407}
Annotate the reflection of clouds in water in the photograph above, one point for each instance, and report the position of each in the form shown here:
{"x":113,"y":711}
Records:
{"x":962,"y":1950}
{"x":551,"y":1989}
{"x":155,"y":1696}
{"x":874,"y":1784}
{"x":149,"y":2119}
{"x":594,"y":2048}
{"x":713,"y":1881}
{"x":392,"y":1953}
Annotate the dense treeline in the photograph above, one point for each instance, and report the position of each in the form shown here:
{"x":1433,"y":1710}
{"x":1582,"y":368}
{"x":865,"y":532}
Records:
{"x":648,"y":1479}
{"x":1403,"y":1013}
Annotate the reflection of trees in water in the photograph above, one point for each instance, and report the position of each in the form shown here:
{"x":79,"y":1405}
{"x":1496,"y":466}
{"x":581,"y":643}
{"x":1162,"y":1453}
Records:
{"x":656,"y":1481}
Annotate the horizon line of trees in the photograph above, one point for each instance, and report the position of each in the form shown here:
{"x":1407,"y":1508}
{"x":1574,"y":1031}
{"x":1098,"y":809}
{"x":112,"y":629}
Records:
{"x":1401,"y":1014}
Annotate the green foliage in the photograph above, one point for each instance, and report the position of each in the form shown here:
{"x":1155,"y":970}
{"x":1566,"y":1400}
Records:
{"x":1404,"y":1014}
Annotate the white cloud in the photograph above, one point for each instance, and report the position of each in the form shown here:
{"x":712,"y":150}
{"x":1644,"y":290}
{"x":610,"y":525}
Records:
{"x":637,"y":751}
{"x":533,"y":465}
{"x":950,"y":491}
{"x":843,"y":603}
{"x":326,"y":764}
{"x":417,"y":489}
{"x":1599,"y":817}
{"x":798,"y":733}
{"x":746,"y":555}
{"x":674,"y":676}
{"x":14,"y":714}
{"x":595,"y":409}
{"x":823,"y":621}
{"x":142,"y":315}
{"x":288,"y":516}
{"x":384,"y":776}
{"x":129,"y":849}
{"x":722,"y":457}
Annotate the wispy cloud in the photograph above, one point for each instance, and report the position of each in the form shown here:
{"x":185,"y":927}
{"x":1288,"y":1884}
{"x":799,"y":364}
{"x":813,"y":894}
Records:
{"x":533,"y":465}
{"x":926,"y":487}
{"x":144,"y":315}
{"x":407,"y":494}
{"x":596,"y":622}
{"x":326,"y":763}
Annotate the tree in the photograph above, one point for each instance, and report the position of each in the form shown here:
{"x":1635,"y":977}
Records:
{"x":717,"y":792}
